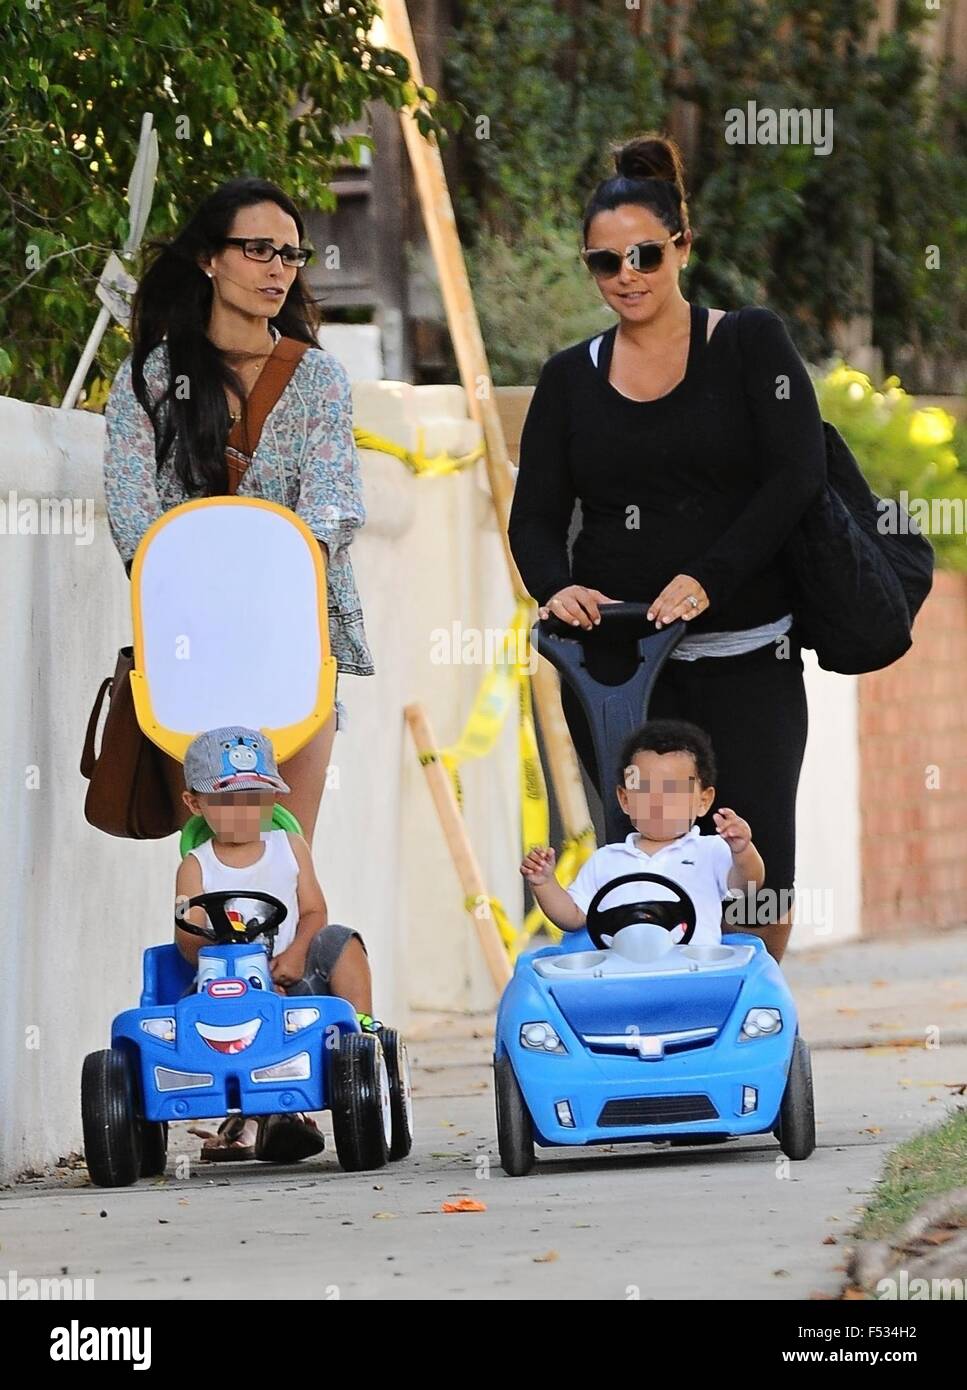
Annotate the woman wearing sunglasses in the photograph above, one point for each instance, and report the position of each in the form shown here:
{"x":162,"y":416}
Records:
{"x":693,"y":441}
{"x":206,"y":317}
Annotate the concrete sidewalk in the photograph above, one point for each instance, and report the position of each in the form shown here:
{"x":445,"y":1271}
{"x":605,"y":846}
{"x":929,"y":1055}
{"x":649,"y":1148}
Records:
{"x":621,"y":1221}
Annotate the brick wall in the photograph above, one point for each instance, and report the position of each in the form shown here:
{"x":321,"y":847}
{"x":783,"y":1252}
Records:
{"x":913,"y":716}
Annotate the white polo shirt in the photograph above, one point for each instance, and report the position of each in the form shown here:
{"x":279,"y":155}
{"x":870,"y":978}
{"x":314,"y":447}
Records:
{"x":698,"y":863}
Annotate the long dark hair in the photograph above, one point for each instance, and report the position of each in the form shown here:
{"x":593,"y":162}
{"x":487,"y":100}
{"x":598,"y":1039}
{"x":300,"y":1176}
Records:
{"x":174,"y":300}
{"x":650,"y":172}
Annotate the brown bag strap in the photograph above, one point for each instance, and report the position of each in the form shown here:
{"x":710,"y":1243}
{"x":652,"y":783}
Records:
{"x":244,"y":436}
{"x":87,"y":756}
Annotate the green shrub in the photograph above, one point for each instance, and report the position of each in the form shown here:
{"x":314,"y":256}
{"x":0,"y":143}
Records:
{"x":903,"y":448}
{"x":533,"y":297}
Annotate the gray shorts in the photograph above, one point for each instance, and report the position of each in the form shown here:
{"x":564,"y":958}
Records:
{"x":325,"y":948}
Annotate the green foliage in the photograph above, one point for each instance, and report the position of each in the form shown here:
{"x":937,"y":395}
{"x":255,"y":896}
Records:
{"x":546,"y":92}
{"x":540,"y":88}
{"x":533,"y":297}
{"x":824,"y":237}
{"x":247,"y":87}
{"x":819,"y":237}
{"x":901,"y":447}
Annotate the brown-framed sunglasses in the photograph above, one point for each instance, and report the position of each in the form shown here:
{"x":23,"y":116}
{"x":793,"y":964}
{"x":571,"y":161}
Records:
{"x":646,"y":256}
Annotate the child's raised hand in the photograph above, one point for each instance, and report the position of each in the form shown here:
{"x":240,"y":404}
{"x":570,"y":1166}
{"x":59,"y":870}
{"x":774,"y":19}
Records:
{"x":736,"y":832}
{"x":538,"y":867}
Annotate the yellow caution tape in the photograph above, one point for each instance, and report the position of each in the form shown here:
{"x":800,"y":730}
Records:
{"x":482,"y":906}
{"x":535,"y":818}
{"x":417,"y":459}
{"x":573,"y":854}
{"x":491,"y":704}
{"x":478,"y":738}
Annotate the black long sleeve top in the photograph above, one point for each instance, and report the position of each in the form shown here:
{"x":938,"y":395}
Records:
{"x":707,"y":480}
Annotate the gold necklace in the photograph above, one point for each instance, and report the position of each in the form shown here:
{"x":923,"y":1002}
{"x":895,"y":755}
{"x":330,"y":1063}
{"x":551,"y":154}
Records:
{"x":236,"y":415}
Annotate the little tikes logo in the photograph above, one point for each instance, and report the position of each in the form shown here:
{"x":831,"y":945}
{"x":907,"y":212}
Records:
{"x":77,"y":1343}
{"x":227,"y":989}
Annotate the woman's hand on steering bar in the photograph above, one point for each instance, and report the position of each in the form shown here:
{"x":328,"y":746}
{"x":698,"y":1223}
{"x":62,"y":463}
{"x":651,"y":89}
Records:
{"x":575,"y":605}
{"x":674,"y":601}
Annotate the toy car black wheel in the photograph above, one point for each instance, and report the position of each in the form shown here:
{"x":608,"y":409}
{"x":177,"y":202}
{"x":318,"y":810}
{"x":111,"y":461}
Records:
{"x":362,"y":1123}
{"x":154,"y":1148}
{"x":400,"y":1093}
{"x":796,"y":1130}
{"x":515,"y":1129}
{"x":112,"y":1130}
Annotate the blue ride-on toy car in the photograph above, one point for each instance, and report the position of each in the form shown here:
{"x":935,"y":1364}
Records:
{"x":225,"y":1043}
{"x":619,"y":1034}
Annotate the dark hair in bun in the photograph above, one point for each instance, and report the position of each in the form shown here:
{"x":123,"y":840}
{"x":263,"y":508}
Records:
{"x":651,"y":173}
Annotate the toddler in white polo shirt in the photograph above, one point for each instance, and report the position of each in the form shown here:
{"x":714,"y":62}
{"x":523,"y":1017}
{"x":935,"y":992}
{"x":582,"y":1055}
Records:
{"x":668,"y":772}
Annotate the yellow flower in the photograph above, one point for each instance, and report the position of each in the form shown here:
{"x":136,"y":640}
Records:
{"x":931,"y":425}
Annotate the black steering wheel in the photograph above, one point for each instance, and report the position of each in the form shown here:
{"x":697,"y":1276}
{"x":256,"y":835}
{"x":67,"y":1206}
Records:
{"x":224,"y":932}
{"x":667,"y":914}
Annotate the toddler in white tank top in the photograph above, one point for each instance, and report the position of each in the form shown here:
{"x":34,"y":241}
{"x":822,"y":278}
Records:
{"x":231,"y":780}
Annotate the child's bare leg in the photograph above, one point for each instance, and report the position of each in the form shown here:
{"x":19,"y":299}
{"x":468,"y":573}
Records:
{"x":351,"y":977}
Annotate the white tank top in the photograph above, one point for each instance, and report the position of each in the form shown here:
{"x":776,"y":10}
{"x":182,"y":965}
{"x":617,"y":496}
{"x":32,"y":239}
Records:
{"x":277,"y":872}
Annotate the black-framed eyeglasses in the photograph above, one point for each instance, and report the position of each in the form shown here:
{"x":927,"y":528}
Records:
{"x":646,"y":256}
{"x":261,"y":249}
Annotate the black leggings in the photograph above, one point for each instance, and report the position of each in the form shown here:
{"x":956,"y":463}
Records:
{"x":753,"y":708}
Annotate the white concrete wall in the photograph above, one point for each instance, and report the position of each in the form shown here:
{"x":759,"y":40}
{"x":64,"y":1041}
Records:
{"x":80,"y":906}
{"x":828,"y":867}
{"x":358,"y":346}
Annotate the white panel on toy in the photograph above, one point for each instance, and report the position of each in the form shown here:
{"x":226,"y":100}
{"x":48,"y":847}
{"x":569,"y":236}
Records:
{"x":230,"y":620}
{"x":638,"y":959}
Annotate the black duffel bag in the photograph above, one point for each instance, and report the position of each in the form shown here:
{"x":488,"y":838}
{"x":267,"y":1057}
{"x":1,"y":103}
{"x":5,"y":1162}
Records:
{"x":859,"y":569}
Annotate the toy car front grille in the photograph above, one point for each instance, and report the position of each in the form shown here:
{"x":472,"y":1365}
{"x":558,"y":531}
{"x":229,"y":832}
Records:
{"x":650,"y":1045}
{"x":656,"y":1110}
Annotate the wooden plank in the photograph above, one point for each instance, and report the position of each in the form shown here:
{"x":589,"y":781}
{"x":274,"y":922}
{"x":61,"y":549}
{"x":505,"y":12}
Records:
{"x":458,"y":842}
{"x":474,"y":368}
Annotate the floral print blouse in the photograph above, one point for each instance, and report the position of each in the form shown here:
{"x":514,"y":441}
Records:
{"x":306,"y":460}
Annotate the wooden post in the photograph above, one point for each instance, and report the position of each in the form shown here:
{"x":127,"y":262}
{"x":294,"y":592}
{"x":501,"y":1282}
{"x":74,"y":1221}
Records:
{"x":474,"y":370}
{"x":458,"y":842}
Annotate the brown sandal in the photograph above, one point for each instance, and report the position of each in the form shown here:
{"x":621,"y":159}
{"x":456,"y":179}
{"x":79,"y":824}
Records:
{"x":227,"y":1151}
{"x":288,"y":1138}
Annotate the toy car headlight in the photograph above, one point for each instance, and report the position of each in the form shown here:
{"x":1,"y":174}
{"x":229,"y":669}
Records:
{"x":760,"y":1023}
{"x":297,"y":1068}
{"x":163,"y":1028}
{"x":540,"y":1037}
{"x":295,"y":1019}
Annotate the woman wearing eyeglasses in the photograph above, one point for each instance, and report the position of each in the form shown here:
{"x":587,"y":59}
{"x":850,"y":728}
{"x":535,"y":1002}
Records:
{"x":206,"y":317}
{"x":693,"y":441}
